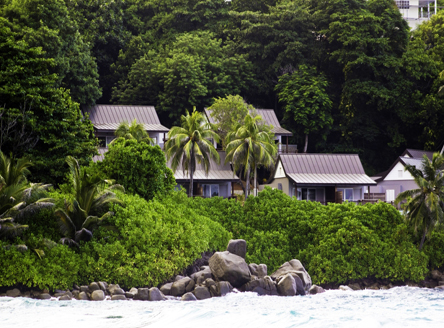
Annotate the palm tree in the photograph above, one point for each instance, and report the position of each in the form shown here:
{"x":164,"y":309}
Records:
{"x":89,"y":206}
{"x":424,"y":206}
{"x":250,"y":145}
{"x":190,"y":143}
{"x":18,"y":198}
{"x":134,"y":131}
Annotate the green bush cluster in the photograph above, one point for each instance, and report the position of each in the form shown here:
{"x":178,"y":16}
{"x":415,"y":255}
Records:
{"x":336,"y":243}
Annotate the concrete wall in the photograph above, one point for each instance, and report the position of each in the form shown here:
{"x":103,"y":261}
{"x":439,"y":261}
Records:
{"x":285,"y":185}
{"x":398,"y":186}
{"x":398,"y":174}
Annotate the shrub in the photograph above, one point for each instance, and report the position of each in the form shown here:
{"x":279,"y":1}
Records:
{"x":138,"y":166}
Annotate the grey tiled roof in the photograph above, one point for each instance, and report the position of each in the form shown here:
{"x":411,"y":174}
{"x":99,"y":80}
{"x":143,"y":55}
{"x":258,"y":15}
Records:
{"x":415,"y":153}
{"x":416,"y":162}
{"x":268,"y":115}
{"x":325,"y":169}
{"x":220,"y":171}
{"x":108,"y":117}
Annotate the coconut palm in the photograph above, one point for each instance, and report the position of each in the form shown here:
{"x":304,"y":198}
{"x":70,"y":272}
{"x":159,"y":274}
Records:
{"x":192,"y":143}
{"x":18,"y":198}
{"x":134,"y":131}
{"x":249,"y":146}
{"x":89,"y":206}
{"x":424,"y":206}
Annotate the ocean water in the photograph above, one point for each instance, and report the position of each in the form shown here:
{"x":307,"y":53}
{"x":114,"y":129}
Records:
{"x":397,"y":307}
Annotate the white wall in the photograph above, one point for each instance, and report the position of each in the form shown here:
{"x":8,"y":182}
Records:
{"x":395,"y":175}
{"x":279,"y":171}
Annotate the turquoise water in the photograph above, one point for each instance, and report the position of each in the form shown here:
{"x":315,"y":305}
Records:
{"x":397,"y":307}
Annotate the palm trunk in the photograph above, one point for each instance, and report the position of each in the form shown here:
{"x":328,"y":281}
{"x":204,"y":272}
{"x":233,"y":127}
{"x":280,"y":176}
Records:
{"x":306,"y":143}
{"x":191,"y":172}
{"x":423,"y":238}
{"x":247,"y":183}
{"x":255,"y":181}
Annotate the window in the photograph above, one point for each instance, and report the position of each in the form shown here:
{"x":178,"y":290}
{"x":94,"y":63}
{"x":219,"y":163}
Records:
{"x":403,"y":4}
{"x":108,"y":140}
{"x":306,"y":194}
{"x":102,"y":142}
{"x":347,"y":194}
{"x":210,"y":190}
{"x":399,"y":173}
{"x":280,"y":186}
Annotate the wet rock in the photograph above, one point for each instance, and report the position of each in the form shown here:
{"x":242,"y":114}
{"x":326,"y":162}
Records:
{"x":238,"y":247}
{"x":296,"y":269}
{"x":220,"y":288}
{"x":142,"y":294}
{"x":97,"y":295}
{"x":44,"y":296}
{"x":155,"y":295}
{"x":286,"y":285}
{"x":354,"y":286}
{"x":439,"y":287}
{"x":118,"y":297}
{"x":259,"y":271}
{"x":262,"y":286}
{"x":182,"y":286}
{"x":314,"y":289}
{"x":226,"y":266}
{"x":201,"y":293}
{"x":166,"y":289}
{"x":129,"y":295}
{"x":374,"y":286}
{"x":189,"y":297}
{"x":13,"y":292}
{"x":65,"y":297}
{"x":83,"y":296}
{"x":93,"y":287}
{"x":345,"y":288}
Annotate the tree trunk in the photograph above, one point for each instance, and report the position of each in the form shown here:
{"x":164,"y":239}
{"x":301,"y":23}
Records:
{"x":247,"y":187}
{"x":423,"y":238}
{"x":255,"y":181}
{"x":306,"y":143}
{"x":191,"y":173}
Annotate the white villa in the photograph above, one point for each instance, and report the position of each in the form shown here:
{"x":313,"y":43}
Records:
{"x":417,"y":11}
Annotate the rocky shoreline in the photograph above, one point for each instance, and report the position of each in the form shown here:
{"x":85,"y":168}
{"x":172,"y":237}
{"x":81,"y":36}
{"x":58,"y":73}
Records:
{"x":222,"y":273}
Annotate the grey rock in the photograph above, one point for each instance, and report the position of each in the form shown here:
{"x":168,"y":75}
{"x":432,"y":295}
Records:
{"x":129,"y":295}
{"x":83,"y":296}
{"x":439,"y":287}
{"x":262,"y":286}
{"x":115,"y":289}
{"x":170,"y":298}
{"x":209,"y":282}
{"x":374,"y":286}
{"x":97,"y":295}
{"x":286,"y":285}
{"x":166,"y":289}
{"x":84,"y":289}
{"x":345,"y":288}
{"x":316,"y":290}
{"x":354,"y":286}
{"x":44,"y":296}
{"x":221,"y":288}
{"x":93,"y":287}
{"x":75,"y":293}
{"x":441,"y":283}
{"x":259,"y":271}
{"x":103,"y":285}
{"x":178,"y":277}
{"x":296,"y":269}
{"x":436,"y":274}
{"x":188,"y":297}
{"x":142,"y":294}
{"x":155,"y":294}
{"x":226,"y":266}
{"x":200,"y":276}
{"x":65,"y":297}
{"x":182,"y":286}
{"x":133,"y":290}
{"x":238,"y":247}
{"x":13,"y":292}
{"x":201,"y":293}
{"x":118,"y":297}
{"x":75,"y":286}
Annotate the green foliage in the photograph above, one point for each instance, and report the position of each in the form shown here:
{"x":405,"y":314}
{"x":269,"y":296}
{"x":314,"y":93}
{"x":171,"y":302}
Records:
{"x":139,"y":167}
{"x":434,"y":249}
{"x":155,"y":240}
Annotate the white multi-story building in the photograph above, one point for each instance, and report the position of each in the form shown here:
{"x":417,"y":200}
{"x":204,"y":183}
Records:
{"x":416,"y":11}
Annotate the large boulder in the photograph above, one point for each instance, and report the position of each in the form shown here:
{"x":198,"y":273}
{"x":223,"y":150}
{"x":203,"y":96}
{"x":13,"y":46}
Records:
{"x":182,"y":286}
{"x":201,"y":275}
{"x":262,"y":286}
{"x":118,"y":297}
{"x":13,"y":292}
{"x":238,"y":247}
{"x":115,"y":289}
{"x":83,"y":296}
{"x":166,"y":289}
{"x":201,"y":293}
{"x":297,"y":270}
{"x":259,"y":271}
{"x":142,"y":294}
{"x":155,"y":295}
{"x":93,"y":286}
{"x":226,"y":266}
{"x":220,"y":288}
{"x":286,"y":285}
{"x":44,"y":296}
{"x":188,"y":297}
{"x":97,"y":295}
